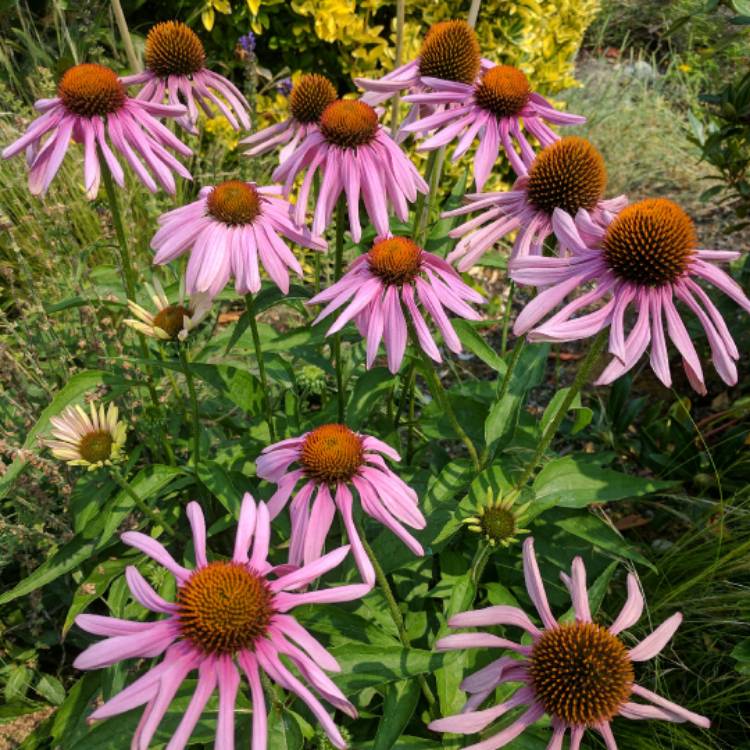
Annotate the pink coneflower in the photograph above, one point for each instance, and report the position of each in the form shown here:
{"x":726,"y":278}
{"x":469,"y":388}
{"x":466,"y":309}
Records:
{"x":92,"y":108}
{"x":226,"y":613}
{"x":568,"y":175}
{"x":498,"y":108}
{"x":309,"y":98}
{"x":393,"y":275}
{"x":450,"y":52}
{"x":175,"y":70}
{"x":355,"y":157}
{"x":227,"y":230}
{"x":645,"y":257}
{"x":331,"y":459}
{"x":580,"y":674}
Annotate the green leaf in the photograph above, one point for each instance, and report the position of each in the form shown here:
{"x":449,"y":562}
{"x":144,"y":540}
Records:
{"x":399,"y":704}
{"x":283,"y":729}
{"x":219,"y":483}
{"x":17,"y":683}
{"x":72,"y":391}
{"x":242,"y":388}
{"x":72,"y":712}
{"x":502,"y":420}
{"x":575,"y":482}
{"x":93,"y":587}
{"x":369,"y":390}
{"x":478,"y":345}
{"x":597,"y":532}
{"x":51,"y":689}
{"x":364,"y":666}
{"x":583,"y":416}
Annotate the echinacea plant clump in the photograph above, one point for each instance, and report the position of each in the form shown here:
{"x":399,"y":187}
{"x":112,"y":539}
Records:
{"x":305,"y":343}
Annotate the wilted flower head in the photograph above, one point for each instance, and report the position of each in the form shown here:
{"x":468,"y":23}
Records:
{"x":496,"y":109}
{"x":227,"y":614}
{"x":330,"y":460}
{"x":92,"y":439}
{"x":93,"y":108}
{"x":580,"y":674}
{"x":358,"y":159}
{"x":175,"y":71}
{"x":308,"y":99}
{"x":499,"y":520}
{"x":645,"y":257}
{"x":170,"y":322}
{"x":387,"y":284}
{"x":231,"y":229}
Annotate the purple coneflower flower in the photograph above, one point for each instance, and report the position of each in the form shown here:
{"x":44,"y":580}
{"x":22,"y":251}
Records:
{"x":92,"y":108}
{"x":567,"y":175}
{"x":580,"y":674}
{"x":227,"y":230}
{"x":226,"y":614}
{"x":393,"y":275}
{"x":175,"y":69}
{"x":646,"y":257}
{"x":355,"y":157}
{"x":450,"y":52}
{"x":331,"y":459}
{"x":498,"y":108}
{"x":308,"y":100}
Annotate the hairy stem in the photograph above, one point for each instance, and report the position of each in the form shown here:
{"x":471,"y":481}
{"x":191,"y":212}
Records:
{"x":250,"y":304}
{"x":122,"y":27}
{"x":337,"y":271}
{"x":193,"y":405}
{"x":139,"y":501}
{"x":395,"y":612}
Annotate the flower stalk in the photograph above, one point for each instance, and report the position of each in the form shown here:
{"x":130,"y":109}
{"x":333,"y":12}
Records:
{"x":140,"y":503}
{"x":337,"y":271}
{"x":250,"y":305}
{"x":193,"y":405}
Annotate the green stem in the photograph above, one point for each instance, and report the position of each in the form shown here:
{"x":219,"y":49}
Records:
{"x":400,"y":20}
{"x":250,"y":304}
{"x":506,"y":319}
{"x":193,"y":405}
{"x":514,"y":357}
{"x":584,"y":370}
{"x":419,"y":206}
{"x":128,"y":276}
{"x":481,"y":558}
{"x":129,"y":281}
{"x":337,"y":271}
{"x":474,"y":12}
{"x":139,"y":502}
{"x":440,"y":395}
{"x":395,"y":612}
{"x":122,"y":27}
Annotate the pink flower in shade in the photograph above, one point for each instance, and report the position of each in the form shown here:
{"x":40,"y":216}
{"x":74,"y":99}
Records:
{"x":226,"y":614}
{"x":383,"y":284}
{"x":175,"y":70}
{"x":645,"y":258}
{"x":450,"y":51}
{"x":356,"y":157}
{"x":227,"y":230}
{"x":580,"y":674}
{"x":498,"y":108}
{"x":309,"y":98}
{"x":567,"y":176}
{"x":92,"y":108}
{"x":330,"y":460}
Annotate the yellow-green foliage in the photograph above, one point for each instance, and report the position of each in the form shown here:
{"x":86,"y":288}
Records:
{"x":540,"y":36}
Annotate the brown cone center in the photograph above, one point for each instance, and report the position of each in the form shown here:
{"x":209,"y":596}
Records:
{"x":332,"y":453}
{"x":89,"y":90}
